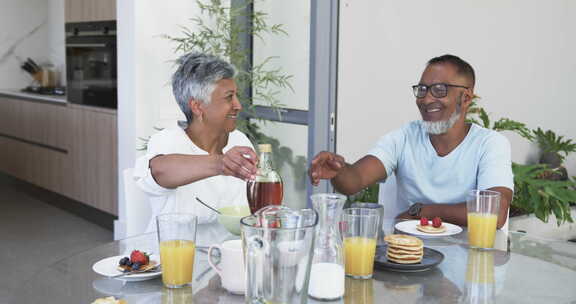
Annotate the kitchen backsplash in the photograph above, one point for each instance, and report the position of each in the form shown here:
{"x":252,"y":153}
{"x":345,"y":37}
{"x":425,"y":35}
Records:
{"x":32,"y":29}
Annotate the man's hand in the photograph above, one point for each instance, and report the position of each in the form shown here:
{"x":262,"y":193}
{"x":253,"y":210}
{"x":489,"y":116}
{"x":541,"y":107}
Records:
{"x":325,"y":165}
{"x":240,"y":162}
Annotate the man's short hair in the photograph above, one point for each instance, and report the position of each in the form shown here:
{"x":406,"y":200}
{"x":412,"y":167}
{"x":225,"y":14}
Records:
{"x":463,"y":68}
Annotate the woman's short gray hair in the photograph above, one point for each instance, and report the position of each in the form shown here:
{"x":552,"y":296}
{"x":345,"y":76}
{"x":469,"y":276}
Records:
{"x":196,"y":78}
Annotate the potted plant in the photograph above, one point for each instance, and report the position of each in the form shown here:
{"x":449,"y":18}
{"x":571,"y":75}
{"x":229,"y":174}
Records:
{"x":554,"y":150}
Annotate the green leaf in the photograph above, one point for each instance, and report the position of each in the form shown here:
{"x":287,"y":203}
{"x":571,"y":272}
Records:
{"x":506,"y":124}
{"x":562,"y":194}
{"x":548,"y":141}
{"x":558,"y":212}
{"x":542,"y":212}
{"x":485,"y":119}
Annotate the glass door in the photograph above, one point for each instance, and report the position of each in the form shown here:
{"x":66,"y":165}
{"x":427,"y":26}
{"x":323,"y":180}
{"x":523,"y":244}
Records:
{"x":301,"y":123}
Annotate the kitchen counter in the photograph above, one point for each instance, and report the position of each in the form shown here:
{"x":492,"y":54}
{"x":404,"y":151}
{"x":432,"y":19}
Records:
{"x":16,"y":93}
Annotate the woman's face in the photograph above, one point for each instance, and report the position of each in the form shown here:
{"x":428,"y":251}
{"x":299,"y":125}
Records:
{"x":222,"y":112}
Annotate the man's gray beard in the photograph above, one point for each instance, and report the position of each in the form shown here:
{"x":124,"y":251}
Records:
{"x":441,"y":127}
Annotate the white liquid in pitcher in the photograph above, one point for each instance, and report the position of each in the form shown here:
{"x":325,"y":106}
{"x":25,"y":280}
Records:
{"x":326,"y":281}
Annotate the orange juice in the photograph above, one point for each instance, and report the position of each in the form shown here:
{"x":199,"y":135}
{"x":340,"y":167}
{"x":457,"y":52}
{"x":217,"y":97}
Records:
{"x":482,"y":229}
{"x":177,"y":258}
{"x":359,"y":253}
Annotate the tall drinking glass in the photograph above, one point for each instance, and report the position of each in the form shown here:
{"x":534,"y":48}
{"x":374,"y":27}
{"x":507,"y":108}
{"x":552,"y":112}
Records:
{"x":483,"y":207}
{"x":177,"y":237}
{"x":359,"y":229}
{"x":380,"y":208}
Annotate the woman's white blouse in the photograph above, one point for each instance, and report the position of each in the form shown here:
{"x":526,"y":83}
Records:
{"x":217,"y":191}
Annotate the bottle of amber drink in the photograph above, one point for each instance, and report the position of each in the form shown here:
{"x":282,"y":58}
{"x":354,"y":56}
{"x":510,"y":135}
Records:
{"x":267,"y":188}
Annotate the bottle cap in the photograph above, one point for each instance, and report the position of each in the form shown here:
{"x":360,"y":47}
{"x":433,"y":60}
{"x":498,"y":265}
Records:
{"x":265,"y":148}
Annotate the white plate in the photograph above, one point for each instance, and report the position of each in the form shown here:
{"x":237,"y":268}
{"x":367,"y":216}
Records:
{"x":108,"y":267}
{"x":410,"y":227}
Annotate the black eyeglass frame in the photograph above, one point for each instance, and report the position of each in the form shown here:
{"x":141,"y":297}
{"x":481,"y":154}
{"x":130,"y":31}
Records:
{"x":416,"y":86}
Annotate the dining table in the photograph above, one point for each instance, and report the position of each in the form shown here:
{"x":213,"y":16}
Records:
{"x":521,"y":269}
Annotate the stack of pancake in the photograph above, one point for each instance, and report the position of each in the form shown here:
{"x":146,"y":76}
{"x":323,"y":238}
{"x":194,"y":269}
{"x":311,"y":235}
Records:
{"x":404,"y":249}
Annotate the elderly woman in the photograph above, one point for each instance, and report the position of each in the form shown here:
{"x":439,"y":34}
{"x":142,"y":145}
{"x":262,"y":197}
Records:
{"x":209,"y":159}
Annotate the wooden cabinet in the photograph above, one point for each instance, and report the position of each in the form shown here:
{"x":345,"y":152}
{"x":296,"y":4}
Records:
{"x":45,"y":123}
{"x":90,"y":10}
{"x":94,"y":162}
{"x":65,"y":148}
{"x":33,"y":141}
{"x":9,"y":114}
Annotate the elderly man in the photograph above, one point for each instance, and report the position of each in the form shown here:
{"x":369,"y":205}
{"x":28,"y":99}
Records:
{"x":436,"y":160}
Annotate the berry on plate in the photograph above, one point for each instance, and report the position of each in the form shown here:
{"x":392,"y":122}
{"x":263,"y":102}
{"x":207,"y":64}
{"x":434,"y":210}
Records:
{"x":436,"y":222}
{"x":139,"y":257}
{"x":423,"y":221}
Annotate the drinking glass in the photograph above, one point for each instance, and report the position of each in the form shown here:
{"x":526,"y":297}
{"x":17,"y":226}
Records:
{"x":482,"y":207}
{"x":359,"y":229}
{"x":177,"y":237}
{"x":380,"y":208}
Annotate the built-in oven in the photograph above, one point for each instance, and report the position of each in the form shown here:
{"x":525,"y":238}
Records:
{"x":91,"y":67}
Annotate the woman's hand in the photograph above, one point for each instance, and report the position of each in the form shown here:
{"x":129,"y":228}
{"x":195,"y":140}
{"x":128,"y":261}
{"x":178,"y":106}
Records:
{"x":240,"y":162}
{"x":325,"y":165}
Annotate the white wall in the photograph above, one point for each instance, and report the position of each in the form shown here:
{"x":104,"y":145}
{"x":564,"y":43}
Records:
{"x":30,"y":28}
{"x":57,"y":38}
{"x":144,"y":71}
{"x":522,"y":51}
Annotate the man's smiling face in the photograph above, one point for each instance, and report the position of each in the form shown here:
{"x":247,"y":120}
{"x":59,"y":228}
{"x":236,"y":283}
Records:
{"x":440,"y":114}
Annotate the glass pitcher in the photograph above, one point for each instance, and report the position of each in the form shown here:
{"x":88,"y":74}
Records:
{"x":278,"y":244}
{"x":327,"y":272}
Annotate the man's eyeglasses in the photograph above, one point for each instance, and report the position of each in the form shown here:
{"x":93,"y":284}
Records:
{"x":438,"y":90}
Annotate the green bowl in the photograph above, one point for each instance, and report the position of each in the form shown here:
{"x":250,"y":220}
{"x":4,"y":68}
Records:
{"x":230,"y":217}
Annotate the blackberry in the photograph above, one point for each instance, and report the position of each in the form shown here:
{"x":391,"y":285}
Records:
{"x":124,"y":261}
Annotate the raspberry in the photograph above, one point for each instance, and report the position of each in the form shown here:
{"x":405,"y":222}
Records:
{"x":436,"y":222}
{"x":423,"y":221}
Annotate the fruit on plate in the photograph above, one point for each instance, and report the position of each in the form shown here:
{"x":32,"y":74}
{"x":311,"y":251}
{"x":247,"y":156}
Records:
{"x":138,"y":260}
{"x":423,"y":221}
{"x":436,"y":227}
{"x":140,"y":257}
{"x":436,"y":222}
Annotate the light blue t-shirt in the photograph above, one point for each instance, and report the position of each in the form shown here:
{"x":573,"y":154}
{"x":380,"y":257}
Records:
{"x":480,"y":161}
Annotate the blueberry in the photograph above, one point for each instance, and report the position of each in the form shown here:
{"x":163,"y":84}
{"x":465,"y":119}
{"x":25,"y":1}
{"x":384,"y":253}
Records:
{"x":136,"y":266}
{"x":124,"y":261}
{"x":129,"y":263}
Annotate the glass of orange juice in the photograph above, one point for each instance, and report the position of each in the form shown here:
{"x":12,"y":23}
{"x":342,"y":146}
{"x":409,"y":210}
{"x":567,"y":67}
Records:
{"x":359,"y":229}
{"x":177,"y":236}
{"x":483,"y":207}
